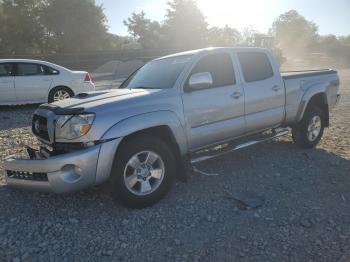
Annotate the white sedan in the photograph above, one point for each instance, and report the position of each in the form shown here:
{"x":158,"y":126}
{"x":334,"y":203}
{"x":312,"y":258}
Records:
{"x":24,"y":81}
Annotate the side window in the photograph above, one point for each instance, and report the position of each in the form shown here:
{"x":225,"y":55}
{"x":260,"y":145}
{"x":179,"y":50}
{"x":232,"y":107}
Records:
{"x":26,"y":69}
{"x":256,"y":66}
{"x":219,"y":66}
{"x":50,"y":71}
{"x":6,"y":70}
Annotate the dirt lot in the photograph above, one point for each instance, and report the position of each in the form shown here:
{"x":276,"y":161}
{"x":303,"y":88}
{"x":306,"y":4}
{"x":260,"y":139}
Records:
{"x":305,"y":214}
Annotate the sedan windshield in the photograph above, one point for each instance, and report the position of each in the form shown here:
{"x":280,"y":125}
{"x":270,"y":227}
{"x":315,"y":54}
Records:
{"x":158,"y":74}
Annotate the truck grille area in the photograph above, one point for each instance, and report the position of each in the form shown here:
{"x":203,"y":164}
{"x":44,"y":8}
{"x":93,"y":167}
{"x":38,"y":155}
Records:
{"x":39,"y":127}
{"x":27,"y":175}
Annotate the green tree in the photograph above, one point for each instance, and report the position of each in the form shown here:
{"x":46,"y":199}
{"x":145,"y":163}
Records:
{"x":74,"y":26}
{"x":115,"y":42}
{"x":144,"y":30}
{"x":185,"y":26}
{"x":20,"y":28}
{"x":1,"y":28}
{"x":225,"y":36}
{"x":336,"y":48}
{"x":248,"y":35}
{"x":345,"y":40}
{"x":293,"y":33}
{"x":328,"y":41}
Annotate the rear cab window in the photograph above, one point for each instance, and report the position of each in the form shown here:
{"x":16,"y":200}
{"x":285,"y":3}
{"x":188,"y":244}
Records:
{"x":255,"y":66}
{"x":219,"y":66}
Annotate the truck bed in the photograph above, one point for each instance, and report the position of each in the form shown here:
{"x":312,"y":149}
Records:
{"x":301,"y":73}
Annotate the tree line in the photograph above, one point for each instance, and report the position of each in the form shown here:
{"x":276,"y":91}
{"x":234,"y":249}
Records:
{"x":185,"y":27}
{"x":297,"y":37}
{"x":76,"y":26}
{"x":54,"y":26}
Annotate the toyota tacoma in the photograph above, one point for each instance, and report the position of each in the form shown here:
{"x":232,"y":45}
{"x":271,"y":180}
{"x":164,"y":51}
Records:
{"x":170,"y":114}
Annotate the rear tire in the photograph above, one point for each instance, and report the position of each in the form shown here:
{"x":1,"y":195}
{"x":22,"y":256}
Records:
{"x":308,"y":132}
{"x":136,"y":182}
{"x":60,"y":93}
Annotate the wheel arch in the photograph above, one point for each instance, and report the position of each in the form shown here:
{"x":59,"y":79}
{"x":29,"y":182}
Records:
{"x":315,"y":99}
{"x":162,"y":124}
{"x":52,"y":89}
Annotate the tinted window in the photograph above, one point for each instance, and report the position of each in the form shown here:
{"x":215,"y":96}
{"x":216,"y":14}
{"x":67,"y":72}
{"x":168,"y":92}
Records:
{"x":255,"y":65}
{"x":30,"y":69}
{"x":6,"y":70}
{"x":219,"y":66}
{"x":51,"y":71}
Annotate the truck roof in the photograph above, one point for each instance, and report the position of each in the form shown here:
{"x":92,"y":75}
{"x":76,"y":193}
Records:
{"x":210,"y":49}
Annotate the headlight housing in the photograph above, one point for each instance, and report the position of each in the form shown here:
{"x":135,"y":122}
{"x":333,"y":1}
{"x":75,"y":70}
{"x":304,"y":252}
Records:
{"x":73,"y":126}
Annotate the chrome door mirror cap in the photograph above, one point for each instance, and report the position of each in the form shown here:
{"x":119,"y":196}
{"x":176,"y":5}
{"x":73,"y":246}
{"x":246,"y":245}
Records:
{"x":200,"y":81}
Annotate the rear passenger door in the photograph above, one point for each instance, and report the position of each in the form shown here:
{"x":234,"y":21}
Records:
{"x":216,"y":113}
{"x":32,"y":82}
{"x":264,"y":91}
{"x":7,"y":84}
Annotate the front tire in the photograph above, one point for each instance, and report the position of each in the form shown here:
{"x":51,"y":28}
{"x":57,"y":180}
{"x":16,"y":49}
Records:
{"x":308,"y":132}
{"x":143,"y":172}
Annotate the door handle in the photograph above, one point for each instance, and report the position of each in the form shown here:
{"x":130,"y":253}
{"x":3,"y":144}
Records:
{"x":46,"y":80}
{"x":236,"y":95}
{"x":276,"y":88}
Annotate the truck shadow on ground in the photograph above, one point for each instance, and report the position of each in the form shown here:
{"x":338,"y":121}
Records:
{"x":272,"y":169}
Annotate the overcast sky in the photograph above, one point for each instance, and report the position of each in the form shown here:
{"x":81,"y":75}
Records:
{"x":332,"y":17}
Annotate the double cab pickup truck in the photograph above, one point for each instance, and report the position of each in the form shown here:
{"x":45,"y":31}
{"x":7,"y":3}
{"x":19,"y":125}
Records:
{"x":170,"y":114}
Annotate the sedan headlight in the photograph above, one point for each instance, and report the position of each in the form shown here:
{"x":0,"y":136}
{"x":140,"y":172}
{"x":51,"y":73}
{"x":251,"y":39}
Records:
{"x":73,"y":126}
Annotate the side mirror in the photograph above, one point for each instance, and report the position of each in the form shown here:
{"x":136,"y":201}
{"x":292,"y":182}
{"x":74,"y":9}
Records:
{"x":200,"y":81}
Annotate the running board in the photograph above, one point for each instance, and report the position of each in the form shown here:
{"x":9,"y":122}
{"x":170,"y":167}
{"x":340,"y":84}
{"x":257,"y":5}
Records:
{"x":230,"y":147}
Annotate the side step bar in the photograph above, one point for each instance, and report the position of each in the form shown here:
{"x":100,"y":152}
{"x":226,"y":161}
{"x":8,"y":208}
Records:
{"x":230,"y":147}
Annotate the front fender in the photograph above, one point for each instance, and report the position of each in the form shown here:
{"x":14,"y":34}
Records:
{"x":148,"y":120}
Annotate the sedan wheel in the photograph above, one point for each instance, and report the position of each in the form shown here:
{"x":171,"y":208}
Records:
{"x":61,"y":95}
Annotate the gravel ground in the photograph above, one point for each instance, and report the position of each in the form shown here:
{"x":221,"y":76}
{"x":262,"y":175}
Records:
{"x":304,"y":215}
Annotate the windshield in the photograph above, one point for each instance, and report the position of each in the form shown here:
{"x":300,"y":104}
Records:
{"x":158,"y":74}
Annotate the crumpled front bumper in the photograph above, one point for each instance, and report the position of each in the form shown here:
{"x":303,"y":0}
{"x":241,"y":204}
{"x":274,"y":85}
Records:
{"x":60,"y":174}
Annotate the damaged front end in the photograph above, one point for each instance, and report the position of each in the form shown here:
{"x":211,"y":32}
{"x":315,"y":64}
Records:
{"x":55,"y":172}
{"x":57,"y":167}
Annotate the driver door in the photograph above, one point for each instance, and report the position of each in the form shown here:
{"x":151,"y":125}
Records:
{"x":215,"y":113}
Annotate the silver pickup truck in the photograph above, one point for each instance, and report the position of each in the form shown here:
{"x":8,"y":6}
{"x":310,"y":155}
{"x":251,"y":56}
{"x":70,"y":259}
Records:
{"x":171,"y":113}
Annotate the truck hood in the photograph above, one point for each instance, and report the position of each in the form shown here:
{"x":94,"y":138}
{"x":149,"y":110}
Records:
{"x":90,"y":100}
{"x":112,"y":106}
